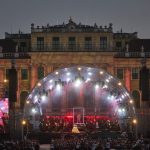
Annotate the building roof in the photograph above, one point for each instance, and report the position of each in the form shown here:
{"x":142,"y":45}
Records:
{"x":139,"y":45}
{"x":71,"y":26}
{"x":19,"y":35}
{"x":7,"y":45}
{"x":123,"y":35}
{"x":9,"y":50}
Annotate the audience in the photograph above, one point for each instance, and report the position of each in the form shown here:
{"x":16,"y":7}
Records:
{"x":89,"y":143}
{"x":19,"y":145}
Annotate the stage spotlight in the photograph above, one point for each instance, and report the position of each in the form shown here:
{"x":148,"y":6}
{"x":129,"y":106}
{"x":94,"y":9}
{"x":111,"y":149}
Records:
{"x":78,"y":82}
{"x":97,"y":86}
{"x":119,"y":83}
{"x":134,"y":121}
{"x":88,"y":79}
{"x":50,"y":87}
{"x":105,"y":86}
{"x":51,"y":81}
{"x":33,"y":110}
{"x":110,"y":77}
{"x":35,"y":98}
{"x":120,"y":99}
{"x":101,"y":72}
{"x":107,"y":80}
{"x":122,"y":96}
{"x":79,"y":68}
{"x":30,"y":96}
{"x":68,"y":73}
{"x":43,"y":98}
{"x":27,"y":102}
{"x":127,"y":94}
{"x":68,"y":79}
{"x":56,"y":72}
{"x":110,"y":97}
{"x":121,"y":112}
{"x":131,"y":101}
{"x":39,"y":84}
{"x":58,"y":86}
{"x":89,"y":73}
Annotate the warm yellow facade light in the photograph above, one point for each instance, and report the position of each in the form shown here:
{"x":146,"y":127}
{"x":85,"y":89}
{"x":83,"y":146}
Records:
{"x":23,"y":122}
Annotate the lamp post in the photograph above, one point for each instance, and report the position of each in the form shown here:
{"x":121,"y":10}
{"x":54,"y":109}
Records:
{"x":24,"y":123}
{"x":135,"y":125}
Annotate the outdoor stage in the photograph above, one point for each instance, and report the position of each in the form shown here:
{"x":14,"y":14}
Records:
{"x":87,"y":97}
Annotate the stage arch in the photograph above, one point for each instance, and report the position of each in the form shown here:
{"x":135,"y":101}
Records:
{"x":92,"y":92}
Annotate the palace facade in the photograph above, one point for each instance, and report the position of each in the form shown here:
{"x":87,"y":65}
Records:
{"x":48,"y":48}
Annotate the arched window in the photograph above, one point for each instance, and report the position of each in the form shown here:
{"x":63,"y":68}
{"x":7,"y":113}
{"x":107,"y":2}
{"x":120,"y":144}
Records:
{"x":136,"y":96}
{"x":23,"y":97}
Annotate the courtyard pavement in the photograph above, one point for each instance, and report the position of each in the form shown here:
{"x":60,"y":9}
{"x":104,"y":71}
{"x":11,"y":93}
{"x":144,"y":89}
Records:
{"x":45,"y":147}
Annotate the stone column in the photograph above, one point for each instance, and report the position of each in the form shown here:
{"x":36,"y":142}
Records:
{"x":19,"y":86}
{"x":49,"y":69}
{"x":128,"y":79}
{"x":111,"y":70}
{"x":2,"y":75}
{"x":2,"y":82}
{"x":33,"y":76}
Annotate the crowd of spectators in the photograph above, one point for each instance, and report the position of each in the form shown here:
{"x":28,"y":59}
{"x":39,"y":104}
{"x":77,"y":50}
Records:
{"x":88,"y":143}
{"x":19,"y":145}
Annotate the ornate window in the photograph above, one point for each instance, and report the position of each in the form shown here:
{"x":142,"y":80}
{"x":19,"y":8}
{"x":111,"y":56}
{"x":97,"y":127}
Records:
{"x":103,"y":42}
{"x":136,"y":96}
{"x":72,"y":43}
{"x":40,"y":43}
{"x":40,"y":72}
{"x":55,"y":43}
{"x":23,"y":46}
{"x":88,"y":42}
{"x":24,"y":74}
{"x":135,"y":73}
{"x":120,"y":73}
{"x":118,"y":45}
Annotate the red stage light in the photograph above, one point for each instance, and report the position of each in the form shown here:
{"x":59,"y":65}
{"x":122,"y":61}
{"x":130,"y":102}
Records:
{"x":69,"y":117}
{"x":47,"y":117}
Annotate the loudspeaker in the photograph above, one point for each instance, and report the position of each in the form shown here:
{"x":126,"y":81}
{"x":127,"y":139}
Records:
{"x":144,"y":83}
{"x":12,"y":92}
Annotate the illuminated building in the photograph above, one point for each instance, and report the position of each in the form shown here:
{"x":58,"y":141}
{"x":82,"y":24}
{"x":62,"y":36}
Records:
{"x":48,"y":48}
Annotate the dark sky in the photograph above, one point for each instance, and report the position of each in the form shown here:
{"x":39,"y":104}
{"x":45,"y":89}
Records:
{"x":130,"y":15}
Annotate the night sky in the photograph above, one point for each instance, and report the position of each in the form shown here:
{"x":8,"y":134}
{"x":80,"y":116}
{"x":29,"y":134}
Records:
{"x":130,"y":15}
